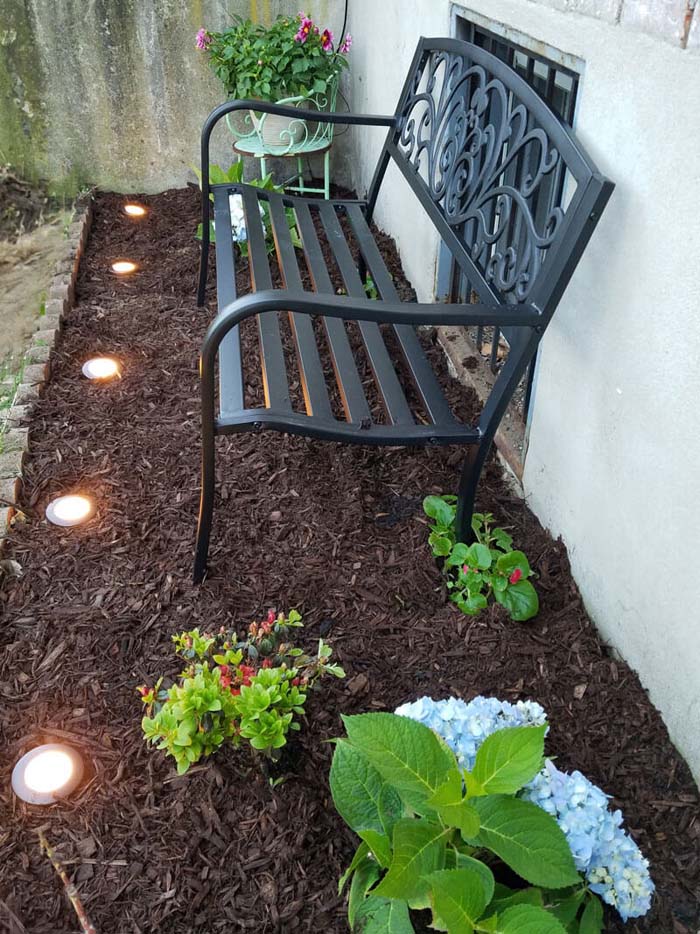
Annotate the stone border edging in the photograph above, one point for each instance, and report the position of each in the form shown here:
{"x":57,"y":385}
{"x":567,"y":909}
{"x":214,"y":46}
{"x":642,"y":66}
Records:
{"x":14,"y":430}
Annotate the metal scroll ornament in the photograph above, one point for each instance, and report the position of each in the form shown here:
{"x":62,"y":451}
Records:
{"x":489,"y":168}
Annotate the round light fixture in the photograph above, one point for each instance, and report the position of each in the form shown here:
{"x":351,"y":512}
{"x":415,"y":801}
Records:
{"x":123,"y":267}
{"x":134,"y":210}
{"x":47,"y":774}
{"x":101,"y":368}
{"x":70,"y":510}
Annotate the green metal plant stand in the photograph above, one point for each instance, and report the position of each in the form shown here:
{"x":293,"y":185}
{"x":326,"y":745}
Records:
{"x":259,"y":136}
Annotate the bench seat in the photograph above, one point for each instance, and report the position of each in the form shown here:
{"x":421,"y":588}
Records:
{"x":421,"y":416}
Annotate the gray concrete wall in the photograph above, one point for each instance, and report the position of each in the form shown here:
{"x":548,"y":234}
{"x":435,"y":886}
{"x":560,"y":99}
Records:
{"x":114,"y":92}
{"x":612,"y":464}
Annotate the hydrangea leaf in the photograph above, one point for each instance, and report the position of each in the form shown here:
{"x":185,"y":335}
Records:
{"x":526,"y":838}
{"x":361,"y":853}
{"x":566,"y":908}
{"x":390,"y":809}
{"x":527,"y":919}
{"x":592,"y":917}
{"x":529,"y":896}
{"x":508,"y":759}
{"x":459,"y":899}
{"x":379,"y":844}
{"x":366,"y":874}
{"x":386,"y":917}
{"x":419,"y":849}
{"x":449,"y":803}
{"x":357,"y":787}
{"x":407,"y":754}
{"x":475,"y":865}
{"x":520,"y":600}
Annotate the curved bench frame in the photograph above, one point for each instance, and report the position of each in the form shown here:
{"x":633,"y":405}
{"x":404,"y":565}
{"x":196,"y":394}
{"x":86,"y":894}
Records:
{"x":482,"y":153}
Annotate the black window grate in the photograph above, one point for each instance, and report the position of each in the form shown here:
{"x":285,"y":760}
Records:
{"x":557,"y":85}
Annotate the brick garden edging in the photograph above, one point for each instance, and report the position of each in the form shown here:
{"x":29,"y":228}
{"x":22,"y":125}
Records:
{"x":14,"y":428}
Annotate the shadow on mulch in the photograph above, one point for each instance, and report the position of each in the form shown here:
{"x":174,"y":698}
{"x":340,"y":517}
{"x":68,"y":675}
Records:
{"x":334,"y":531}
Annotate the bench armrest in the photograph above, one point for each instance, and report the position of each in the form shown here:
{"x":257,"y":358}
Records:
{"x":358,"y":309}
{"x":284,"y":110}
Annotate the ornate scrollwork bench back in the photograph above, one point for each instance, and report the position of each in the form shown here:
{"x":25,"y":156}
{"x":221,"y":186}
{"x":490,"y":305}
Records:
{"x":488,"y":160}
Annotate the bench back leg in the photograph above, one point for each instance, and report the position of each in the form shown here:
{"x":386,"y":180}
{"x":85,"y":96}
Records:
{"x":468,"y":482}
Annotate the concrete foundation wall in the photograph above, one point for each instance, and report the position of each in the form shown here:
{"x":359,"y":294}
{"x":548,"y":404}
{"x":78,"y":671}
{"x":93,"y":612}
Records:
{"x":614,"y":448}
{"x":114,"y":92}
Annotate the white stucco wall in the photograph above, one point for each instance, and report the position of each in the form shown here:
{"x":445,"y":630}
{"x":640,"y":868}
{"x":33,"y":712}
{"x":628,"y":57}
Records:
{"x":614,"y":453}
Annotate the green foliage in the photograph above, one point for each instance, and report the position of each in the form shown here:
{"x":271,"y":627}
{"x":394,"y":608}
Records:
{"x":432,"y":833}
{"x":259,"y":62}
{"x":234,"y":689}
{"x":486,"y":568}
{"x":234,"y":176}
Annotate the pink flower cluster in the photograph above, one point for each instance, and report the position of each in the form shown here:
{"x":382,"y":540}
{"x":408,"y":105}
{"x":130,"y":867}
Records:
{"x":307,"y":28}
{"x":203,"y":40}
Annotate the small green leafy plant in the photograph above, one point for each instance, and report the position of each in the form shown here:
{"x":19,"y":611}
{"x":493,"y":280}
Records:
{"x":434,"y":836}
{"x":488,"y":567}
{"x":234,"y":689}
{"x":234,"y":176}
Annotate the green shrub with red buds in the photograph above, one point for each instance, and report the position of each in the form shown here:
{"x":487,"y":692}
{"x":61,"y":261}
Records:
{"x":488,"y":568}
{"x":237,"y":689}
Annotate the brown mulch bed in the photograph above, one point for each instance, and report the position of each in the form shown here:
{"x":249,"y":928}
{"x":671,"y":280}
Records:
{"x":334,"y":531}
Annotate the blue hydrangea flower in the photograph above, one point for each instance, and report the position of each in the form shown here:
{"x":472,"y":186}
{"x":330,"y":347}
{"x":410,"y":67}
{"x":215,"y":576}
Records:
{"x":464,"y":726}
{"x":606,"y":855}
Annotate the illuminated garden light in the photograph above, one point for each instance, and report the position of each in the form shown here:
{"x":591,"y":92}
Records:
{"x":101,"y":368}
{"x":123,"y":267}
{"x":134,"y":210}
{"x":46,"y":774}
{"x":70,"y":510}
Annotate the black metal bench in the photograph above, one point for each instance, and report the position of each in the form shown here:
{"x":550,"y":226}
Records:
{"x":488,"y":162}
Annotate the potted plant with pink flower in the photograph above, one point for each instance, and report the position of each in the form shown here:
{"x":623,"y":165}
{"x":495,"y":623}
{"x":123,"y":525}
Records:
{"x":294,"y":58}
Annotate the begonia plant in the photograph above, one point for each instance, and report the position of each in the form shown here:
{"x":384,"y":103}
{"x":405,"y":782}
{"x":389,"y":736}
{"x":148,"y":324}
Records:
{"x":487,"y":568}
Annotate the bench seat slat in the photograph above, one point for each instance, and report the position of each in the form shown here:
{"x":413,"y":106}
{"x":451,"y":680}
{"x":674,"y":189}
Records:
{"x":313,"y":382}
{"x":230,"y":365}
{"x":390,"y":389}
{"x":347,"y":377}
{"x":274,"y":370}
{"x":423,"y":375}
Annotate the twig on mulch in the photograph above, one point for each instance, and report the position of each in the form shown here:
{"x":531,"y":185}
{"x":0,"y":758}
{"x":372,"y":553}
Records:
{"x":71,"y":891}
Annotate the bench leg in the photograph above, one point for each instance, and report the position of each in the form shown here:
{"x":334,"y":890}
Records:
{"x":206,"y":505}
{"x":471,"y":471}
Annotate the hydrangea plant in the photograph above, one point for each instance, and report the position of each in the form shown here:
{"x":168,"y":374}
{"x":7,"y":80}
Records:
{"x":253,"y":688}
{"x":603,"y":852}
{"x":487,"y":568}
